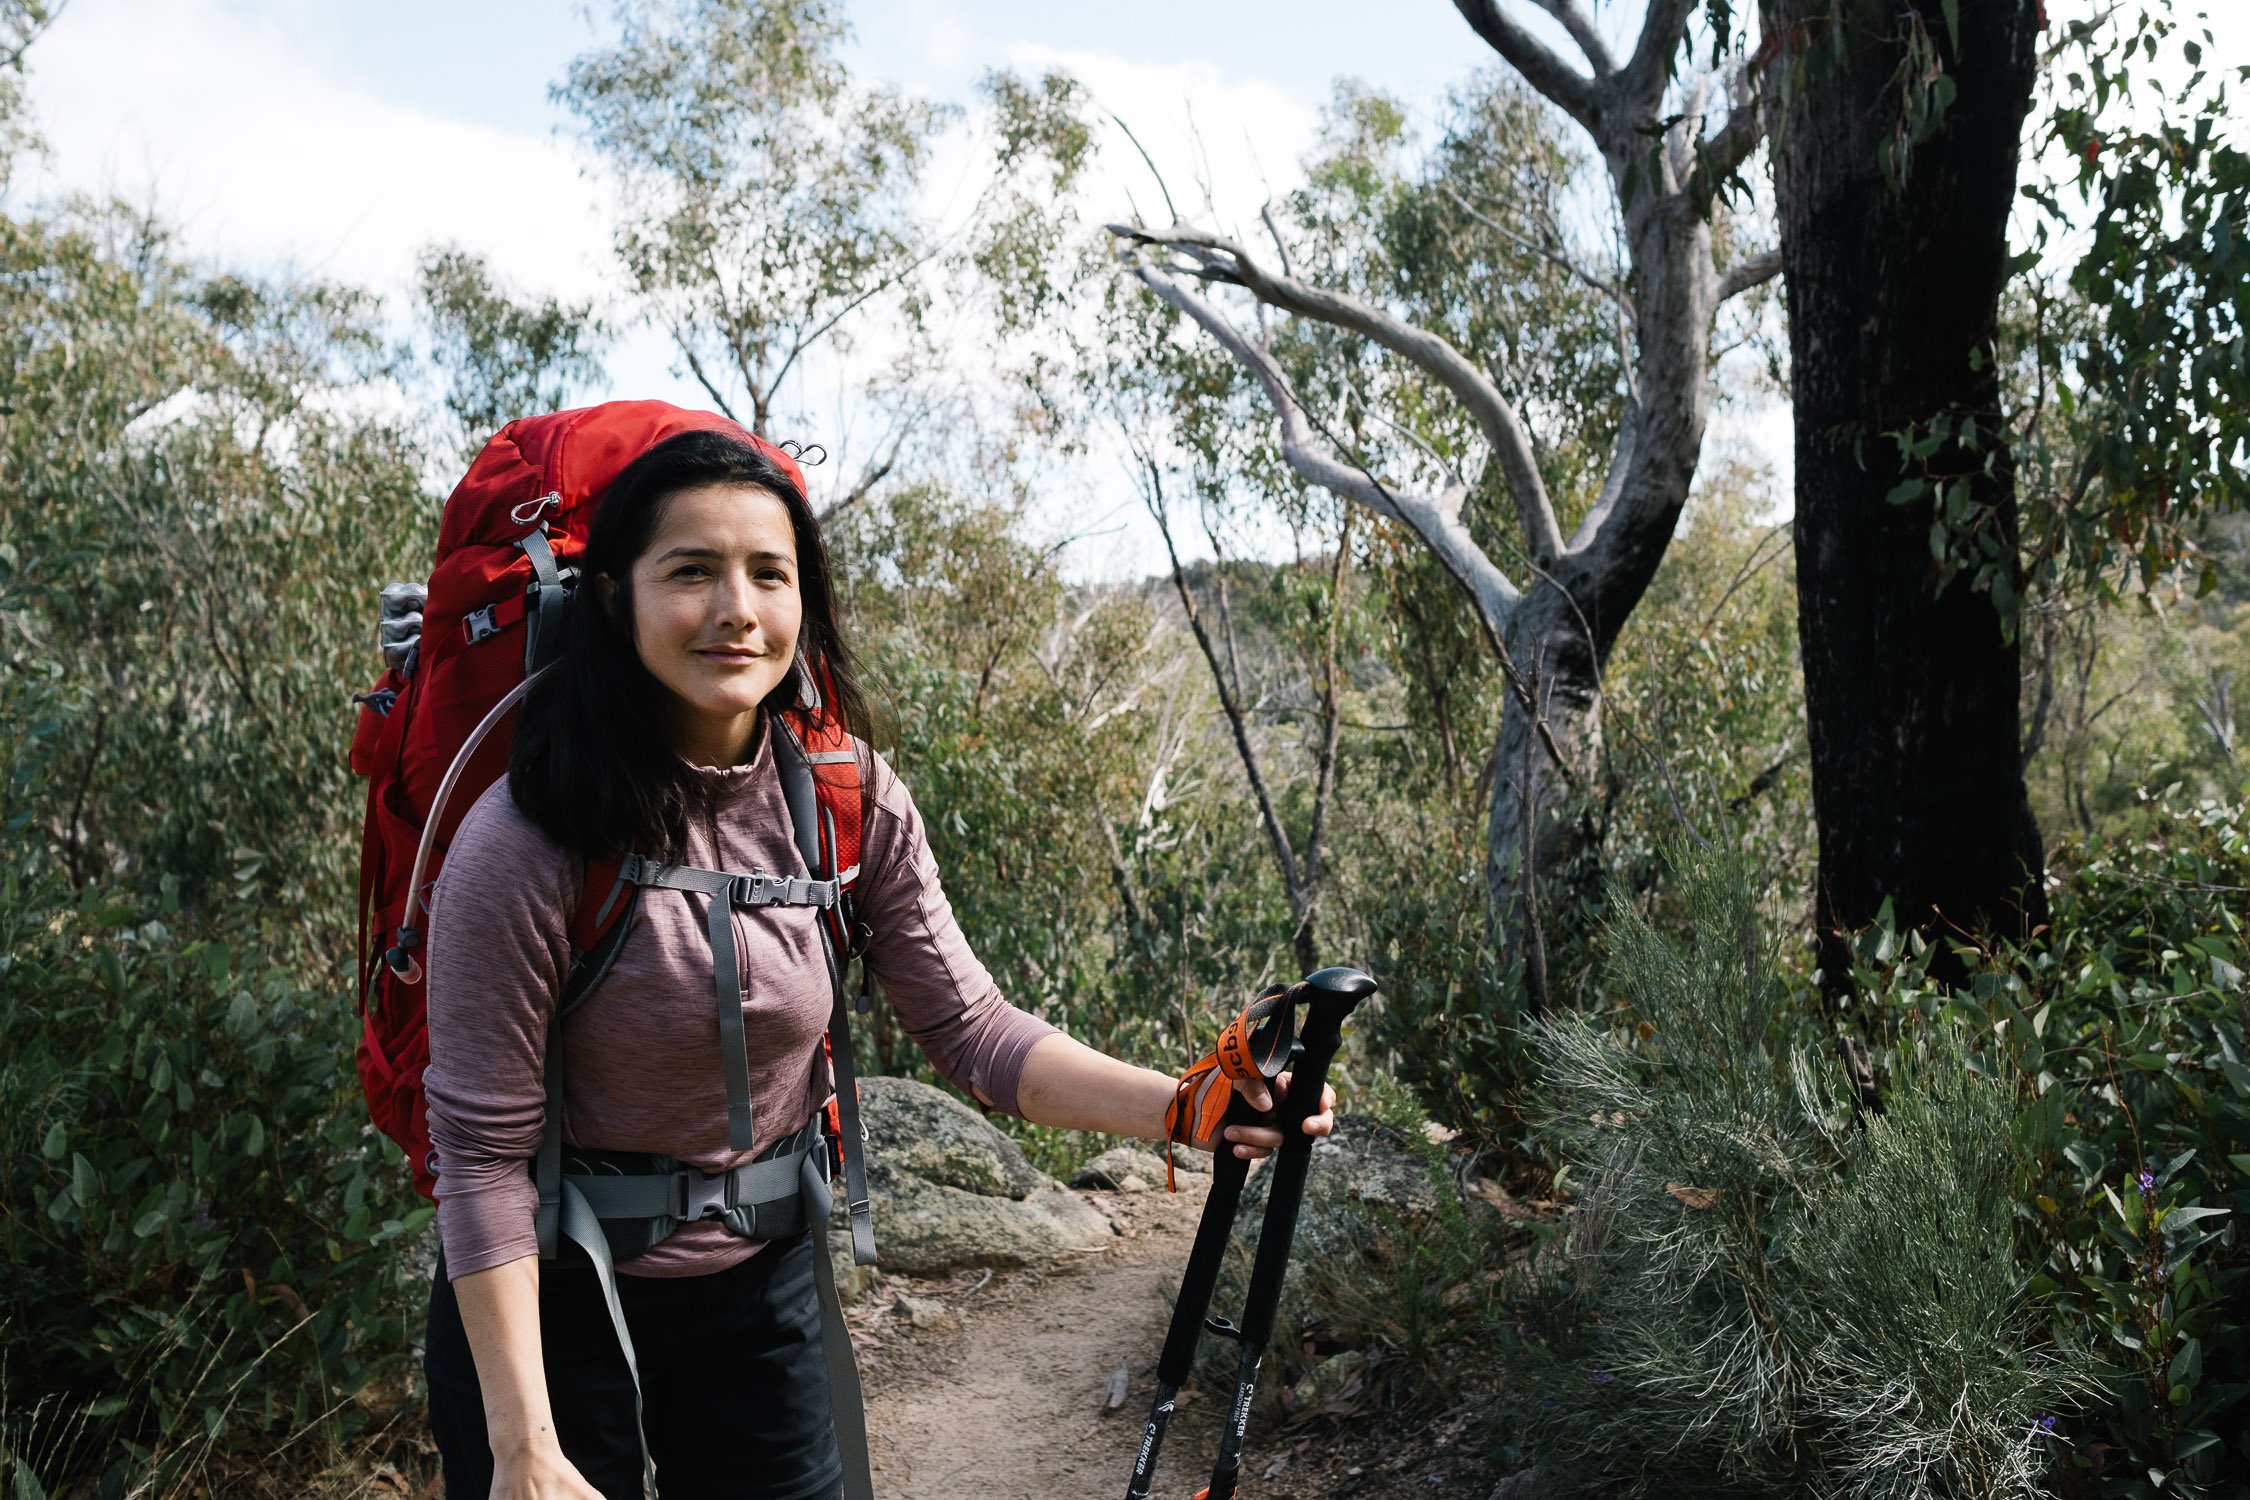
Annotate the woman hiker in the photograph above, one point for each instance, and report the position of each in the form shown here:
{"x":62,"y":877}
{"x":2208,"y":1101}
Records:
{"x":713,"y":608}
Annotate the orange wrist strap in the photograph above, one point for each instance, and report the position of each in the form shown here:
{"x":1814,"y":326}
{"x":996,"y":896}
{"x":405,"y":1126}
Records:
{"x":1256,"y":1044}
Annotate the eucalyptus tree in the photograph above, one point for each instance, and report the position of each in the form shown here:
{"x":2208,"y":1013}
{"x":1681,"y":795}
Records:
{"x":1902,"y":145}
{"x":1553,"y":584}
{"x":1894,"y":232}
{"x":501,"y":357}
{"x":776,"y":213}
{"x":765,"y":195}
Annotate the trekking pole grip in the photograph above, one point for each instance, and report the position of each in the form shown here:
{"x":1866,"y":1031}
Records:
{"x":1332,"y":995}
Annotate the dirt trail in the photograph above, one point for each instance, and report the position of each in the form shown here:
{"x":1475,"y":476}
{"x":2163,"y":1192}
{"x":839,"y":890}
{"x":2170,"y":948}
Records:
{"x":1002,"y":1394}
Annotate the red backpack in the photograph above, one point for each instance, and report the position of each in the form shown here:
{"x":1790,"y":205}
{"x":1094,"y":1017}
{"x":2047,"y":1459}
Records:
{"x":434,"y":733}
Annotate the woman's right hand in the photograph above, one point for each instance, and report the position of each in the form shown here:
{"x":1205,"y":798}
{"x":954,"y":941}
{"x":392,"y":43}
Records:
{"x":500,"y":1314}
{"x":539,"y":1473}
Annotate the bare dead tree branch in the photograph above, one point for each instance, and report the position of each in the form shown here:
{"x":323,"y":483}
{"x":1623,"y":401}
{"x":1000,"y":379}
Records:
{"x":1494,"y":414}
{"x":1276,"y":836}
{"x":695,"y":368}
{"x":1332,"y":725}
{"x":1750,"y":271}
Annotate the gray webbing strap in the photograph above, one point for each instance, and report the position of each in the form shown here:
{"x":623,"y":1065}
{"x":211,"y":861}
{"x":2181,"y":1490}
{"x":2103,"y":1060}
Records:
{"x":579,"y":1223}
{"x":543,"y":626}
{"x":683,"y":1194}
{"x":726,"y":889}
{"x":845,"y":1403}
{"x":847,"y":1114}
{"x":546,"y":1169}
{"x":726,"y":979}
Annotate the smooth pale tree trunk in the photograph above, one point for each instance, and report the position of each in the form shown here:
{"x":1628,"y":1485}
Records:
{"x":1560,"y":636}
{"x":1556,"y":624}
{"x":1893,"y":293}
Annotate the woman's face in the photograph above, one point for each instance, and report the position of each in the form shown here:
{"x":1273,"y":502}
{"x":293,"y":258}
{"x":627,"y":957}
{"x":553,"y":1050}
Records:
{"x":716,"y":613}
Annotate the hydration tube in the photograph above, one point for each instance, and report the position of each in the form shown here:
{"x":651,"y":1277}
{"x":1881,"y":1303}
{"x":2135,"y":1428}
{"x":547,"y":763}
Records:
{"x":401,"y":955}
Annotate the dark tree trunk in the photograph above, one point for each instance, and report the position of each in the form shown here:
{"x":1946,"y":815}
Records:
{"x":1538,"y":833}
{"x":1893,"y":292}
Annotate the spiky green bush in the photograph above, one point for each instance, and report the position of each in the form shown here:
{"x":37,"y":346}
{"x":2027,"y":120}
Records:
{"x":1766,"y":1288}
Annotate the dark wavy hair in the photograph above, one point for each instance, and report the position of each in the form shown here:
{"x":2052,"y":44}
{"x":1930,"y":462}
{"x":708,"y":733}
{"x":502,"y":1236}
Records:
{"x":592,"y":764}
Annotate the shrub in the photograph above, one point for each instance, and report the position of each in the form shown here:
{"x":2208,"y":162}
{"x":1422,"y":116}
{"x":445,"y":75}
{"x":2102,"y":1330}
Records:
{"x":2126,"y":1025}
{"x":196,"y":1223}
{"x":1764,"y":1290}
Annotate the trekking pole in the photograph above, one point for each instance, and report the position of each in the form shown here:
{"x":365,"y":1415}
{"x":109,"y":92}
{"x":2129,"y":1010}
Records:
{"x":1196,"y":1285}
{"x":1333,"y":994}
{"x":1269,"y":1046}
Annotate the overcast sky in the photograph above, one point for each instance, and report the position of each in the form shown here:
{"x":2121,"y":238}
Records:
{"x":338,"y":137}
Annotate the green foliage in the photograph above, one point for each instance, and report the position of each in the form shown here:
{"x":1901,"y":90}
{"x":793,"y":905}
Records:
{"x":1704,"y":720}
{"x":2127,"y":418}
{"x":197,"y":1227}
{"x":766,"y":194}
{"x":1024,"y":715}
{"x":2137,"y":694}
{"x":2129,"y":1026}
{"x":501,"y":358}
{"x":196,"y":1224}
{"x":190,"y":551}
{"x":2163,"y":276}
{"x":1760,"y":1289}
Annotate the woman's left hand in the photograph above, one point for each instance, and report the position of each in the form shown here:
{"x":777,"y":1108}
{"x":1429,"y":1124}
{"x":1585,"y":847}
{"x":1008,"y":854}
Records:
{"x":1254,"y":1141}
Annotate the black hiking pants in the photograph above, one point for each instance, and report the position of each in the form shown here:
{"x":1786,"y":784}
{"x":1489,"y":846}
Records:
{"x":734,"y":1388}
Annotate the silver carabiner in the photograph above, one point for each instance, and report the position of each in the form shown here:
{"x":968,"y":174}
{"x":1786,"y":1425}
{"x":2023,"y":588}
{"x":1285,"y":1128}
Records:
{"x":529,"y":511}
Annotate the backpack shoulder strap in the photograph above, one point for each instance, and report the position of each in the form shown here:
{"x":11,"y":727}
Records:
{"x":821,"y":788}
{"x":597,"y":932}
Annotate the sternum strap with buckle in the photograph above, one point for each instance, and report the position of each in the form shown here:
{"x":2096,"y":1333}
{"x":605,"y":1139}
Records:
{"x":727,"y":890}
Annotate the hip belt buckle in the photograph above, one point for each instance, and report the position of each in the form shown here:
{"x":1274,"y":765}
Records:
{"x":703,"y":1196}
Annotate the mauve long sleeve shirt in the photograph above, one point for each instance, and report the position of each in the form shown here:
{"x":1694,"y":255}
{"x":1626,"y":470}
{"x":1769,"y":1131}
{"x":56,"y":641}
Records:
{"x":641,"y":1061}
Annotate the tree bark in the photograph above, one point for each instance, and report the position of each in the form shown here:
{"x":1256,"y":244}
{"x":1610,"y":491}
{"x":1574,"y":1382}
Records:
{"x":1554,"y":630}
{"x":1539,"y":838}
{"x":1893,"y":293}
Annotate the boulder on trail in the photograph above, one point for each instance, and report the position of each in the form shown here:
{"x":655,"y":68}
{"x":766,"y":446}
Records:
{"x":1367,"y":1183}
{"x":1131,"y":1169}
{"x":952,"y":1191}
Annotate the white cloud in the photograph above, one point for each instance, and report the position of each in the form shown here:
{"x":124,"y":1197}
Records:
{"x":1223,"y":144}
{"x":263,"y":155}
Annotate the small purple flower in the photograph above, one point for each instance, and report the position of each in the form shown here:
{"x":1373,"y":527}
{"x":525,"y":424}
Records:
{"x":203,"y":1219}
{"x":1548,"y":1404}
{"x":2047,"y":1422}
{"x":1601,"y":1377}
{"x":2148,"y":1185}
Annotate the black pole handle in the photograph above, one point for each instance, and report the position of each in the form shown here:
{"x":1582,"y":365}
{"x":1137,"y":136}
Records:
{"x":1330,"y":996}
{"x":1333,"y":995}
